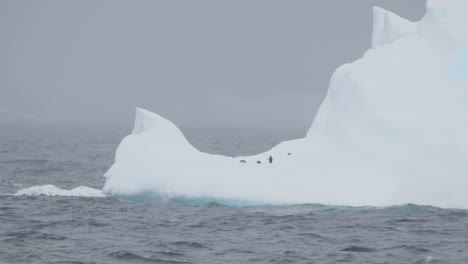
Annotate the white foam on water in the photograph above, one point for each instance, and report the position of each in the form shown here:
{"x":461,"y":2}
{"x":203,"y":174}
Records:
{"x":51,"y":190}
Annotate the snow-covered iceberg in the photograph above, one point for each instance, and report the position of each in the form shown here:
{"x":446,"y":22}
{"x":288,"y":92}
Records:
{"x":392,"y":129}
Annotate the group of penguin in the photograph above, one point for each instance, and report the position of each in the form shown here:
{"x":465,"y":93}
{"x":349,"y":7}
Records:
{"x":270,"y":160}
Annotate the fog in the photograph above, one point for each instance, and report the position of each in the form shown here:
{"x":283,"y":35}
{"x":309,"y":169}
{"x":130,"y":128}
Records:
{"x":201,"y":63}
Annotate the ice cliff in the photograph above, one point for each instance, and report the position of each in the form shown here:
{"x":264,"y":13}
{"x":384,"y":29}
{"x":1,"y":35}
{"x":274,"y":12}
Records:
{"x":392,"y":129}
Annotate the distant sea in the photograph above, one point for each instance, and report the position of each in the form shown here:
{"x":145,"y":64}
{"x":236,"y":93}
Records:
{"x":54,"y":229}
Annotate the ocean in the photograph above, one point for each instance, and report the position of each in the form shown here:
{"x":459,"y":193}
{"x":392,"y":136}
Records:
{"x":56,"y":229}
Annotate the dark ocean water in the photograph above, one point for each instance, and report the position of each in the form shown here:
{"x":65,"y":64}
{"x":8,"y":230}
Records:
{"x":46,"y":229}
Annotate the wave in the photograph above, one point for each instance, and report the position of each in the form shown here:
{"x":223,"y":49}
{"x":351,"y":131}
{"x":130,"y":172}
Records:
{"x":51,"y":190}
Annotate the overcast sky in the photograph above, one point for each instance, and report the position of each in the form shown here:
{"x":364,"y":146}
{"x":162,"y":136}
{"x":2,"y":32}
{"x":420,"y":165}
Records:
{"x":260,"y":63}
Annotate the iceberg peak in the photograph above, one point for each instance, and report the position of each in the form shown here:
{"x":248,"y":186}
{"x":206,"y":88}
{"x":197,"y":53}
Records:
{"x":388,"y":27}
{"x":156,"y":126}
{"x":146,"y":121}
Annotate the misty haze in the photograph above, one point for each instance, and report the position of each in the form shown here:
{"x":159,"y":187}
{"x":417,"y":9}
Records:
{"x":206,"y":63}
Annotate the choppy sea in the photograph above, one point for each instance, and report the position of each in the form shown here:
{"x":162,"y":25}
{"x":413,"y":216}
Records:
{"x":56,"y":229}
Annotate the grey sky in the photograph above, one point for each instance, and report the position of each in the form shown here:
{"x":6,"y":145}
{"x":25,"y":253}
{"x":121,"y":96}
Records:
{"x":250,"y":63}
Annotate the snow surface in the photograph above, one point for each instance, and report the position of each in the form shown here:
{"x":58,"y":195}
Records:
{"x":392,"y":129}
{"x":51,"y":190}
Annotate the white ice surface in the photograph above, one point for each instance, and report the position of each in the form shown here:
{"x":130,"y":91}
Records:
{"x":51,"y":190}
{"x":392,"y":129}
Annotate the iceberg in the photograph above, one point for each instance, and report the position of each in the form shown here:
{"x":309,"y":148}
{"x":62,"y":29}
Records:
{"x":393,"y":129}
